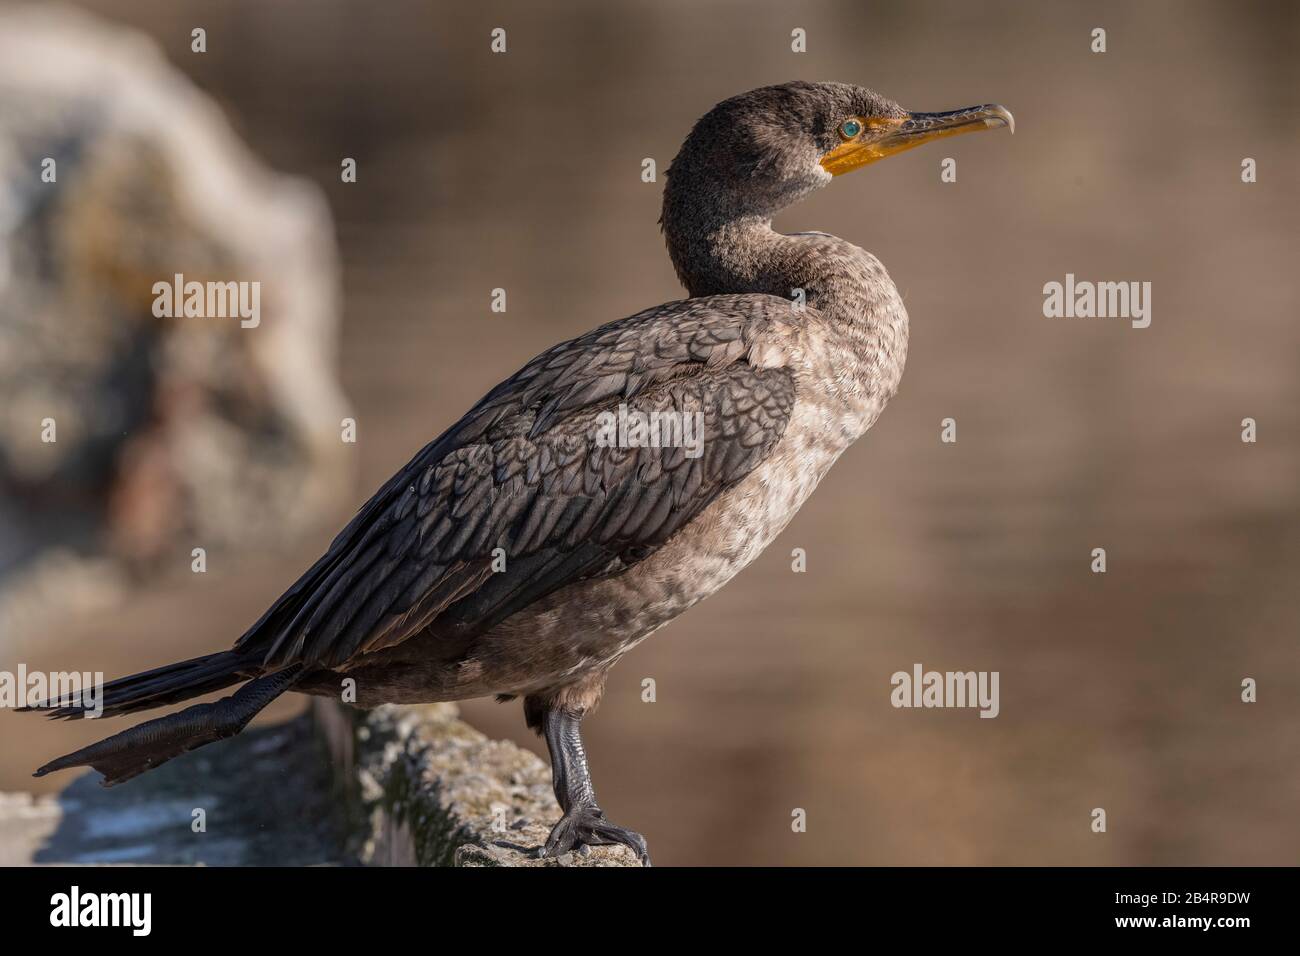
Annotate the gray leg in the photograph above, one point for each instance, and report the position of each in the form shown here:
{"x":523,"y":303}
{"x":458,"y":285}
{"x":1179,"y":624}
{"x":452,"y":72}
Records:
{"x":583,"y":823}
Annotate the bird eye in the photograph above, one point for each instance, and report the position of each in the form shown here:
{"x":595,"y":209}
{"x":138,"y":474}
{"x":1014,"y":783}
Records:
{"x":850,"y":128}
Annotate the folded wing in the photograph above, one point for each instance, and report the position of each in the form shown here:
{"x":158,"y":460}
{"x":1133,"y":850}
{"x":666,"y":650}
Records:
{"x":527,"y":493}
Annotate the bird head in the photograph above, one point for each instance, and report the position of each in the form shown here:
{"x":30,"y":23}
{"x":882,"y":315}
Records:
{"x":760,"y":151}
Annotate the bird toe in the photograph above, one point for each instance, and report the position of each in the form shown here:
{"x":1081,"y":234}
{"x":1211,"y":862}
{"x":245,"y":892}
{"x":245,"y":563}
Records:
{"x":584,"y":827}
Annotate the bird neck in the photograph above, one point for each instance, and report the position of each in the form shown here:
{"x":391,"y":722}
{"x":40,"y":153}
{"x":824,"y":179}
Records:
{"x":847,"y":285}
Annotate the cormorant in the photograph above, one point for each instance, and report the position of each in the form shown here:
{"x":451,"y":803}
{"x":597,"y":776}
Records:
{"x":518,"y":555}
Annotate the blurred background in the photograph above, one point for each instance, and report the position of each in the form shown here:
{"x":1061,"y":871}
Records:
{"x":522,"y":171}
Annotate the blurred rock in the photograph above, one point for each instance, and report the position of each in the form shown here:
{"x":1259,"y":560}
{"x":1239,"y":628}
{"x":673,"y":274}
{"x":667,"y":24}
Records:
{"x":171,"y":433}
{"x":295,"y":820}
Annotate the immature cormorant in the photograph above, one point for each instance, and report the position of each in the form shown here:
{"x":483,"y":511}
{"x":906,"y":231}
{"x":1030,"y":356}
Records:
{"x":519,"y":554}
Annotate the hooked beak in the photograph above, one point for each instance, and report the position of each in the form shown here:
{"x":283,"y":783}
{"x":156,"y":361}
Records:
{"x":885,"y":136}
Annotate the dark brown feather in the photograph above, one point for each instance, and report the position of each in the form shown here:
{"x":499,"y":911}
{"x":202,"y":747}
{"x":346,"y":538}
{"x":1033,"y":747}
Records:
{"x":523,"y":472}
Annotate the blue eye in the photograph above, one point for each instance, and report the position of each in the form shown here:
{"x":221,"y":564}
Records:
{"x":850,"y":128}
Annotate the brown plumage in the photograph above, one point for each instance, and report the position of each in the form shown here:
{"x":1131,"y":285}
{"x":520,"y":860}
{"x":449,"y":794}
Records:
{"x":788,"y":350}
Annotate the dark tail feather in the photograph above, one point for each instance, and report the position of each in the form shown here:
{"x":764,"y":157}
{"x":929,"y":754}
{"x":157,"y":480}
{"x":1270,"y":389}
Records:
{"x":158,"y":687}
{"x":154,"y":742}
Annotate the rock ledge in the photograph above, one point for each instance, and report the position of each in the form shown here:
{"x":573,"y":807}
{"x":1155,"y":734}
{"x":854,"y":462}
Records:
{"x":430,"y":790}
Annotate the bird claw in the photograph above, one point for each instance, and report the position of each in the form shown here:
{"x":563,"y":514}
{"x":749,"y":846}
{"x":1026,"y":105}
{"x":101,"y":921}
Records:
{"x":584,"y":827}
